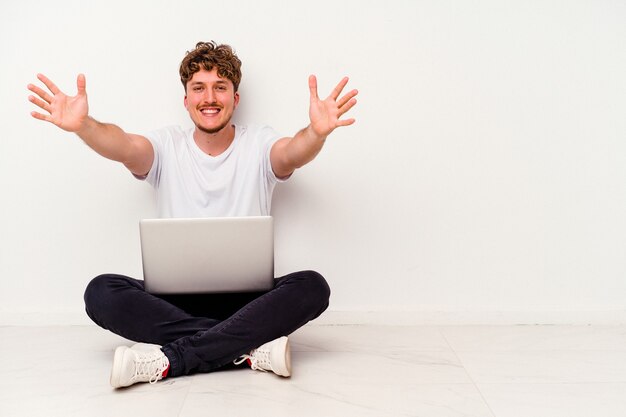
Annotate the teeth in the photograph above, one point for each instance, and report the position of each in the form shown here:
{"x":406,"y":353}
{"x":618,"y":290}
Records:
{"x":209,"y":111}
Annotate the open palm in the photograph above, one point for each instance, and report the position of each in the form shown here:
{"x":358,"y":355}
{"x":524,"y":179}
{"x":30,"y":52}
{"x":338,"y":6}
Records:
{"x":325,"y":115}
{"x":67,"y":112}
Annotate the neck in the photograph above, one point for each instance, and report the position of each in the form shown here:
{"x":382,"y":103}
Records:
{"x":214,"y":144}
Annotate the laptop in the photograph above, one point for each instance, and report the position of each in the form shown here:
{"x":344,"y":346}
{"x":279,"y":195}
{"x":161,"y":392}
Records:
{"x":208,"y":255}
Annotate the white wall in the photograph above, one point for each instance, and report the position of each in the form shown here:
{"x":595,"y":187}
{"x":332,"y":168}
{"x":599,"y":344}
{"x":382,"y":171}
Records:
{"x":485,"y":176}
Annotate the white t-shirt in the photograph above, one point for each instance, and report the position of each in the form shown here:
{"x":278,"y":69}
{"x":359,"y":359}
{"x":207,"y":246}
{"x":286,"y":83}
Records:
{"x":189,"y":183}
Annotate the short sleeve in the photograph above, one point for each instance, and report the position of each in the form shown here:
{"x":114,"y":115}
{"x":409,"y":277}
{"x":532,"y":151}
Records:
{"x":268,"y":138}
{"x":158,"y":139}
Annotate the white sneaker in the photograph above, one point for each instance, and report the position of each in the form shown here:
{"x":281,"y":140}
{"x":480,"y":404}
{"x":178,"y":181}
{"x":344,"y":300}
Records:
{"x":140,"y":363}
{"x":145,"y":346}
{"x":273,"y":356}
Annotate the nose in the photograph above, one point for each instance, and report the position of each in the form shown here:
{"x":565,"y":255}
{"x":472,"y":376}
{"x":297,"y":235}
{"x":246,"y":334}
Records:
{"x":209,"y":95}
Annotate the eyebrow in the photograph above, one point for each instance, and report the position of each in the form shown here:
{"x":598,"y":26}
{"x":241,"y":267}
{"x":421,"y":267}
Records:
{"x":202,"y":83}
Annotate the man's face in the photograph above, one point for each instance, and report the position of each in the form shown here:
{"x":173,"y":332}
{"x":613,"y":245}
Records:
{"x":210,"y":100}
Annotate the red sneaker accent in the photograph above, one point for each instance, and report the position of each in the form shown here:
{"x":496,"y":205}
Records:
{"x":164,"y":374}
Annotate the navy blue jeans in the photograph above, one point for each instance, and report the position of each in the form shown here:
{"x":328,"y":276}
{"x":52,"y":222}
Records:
{"x":205,"y":332}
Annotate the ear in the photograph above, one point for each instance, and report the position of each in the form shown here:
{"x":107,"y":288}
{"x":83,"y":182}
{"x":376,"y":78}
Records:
{"x":185,"y":102}
{"x":236,"y":99}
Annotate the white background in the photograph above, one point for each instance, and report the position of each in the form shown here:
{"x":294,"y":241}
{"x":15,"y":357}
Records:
{"x":485,"y":176}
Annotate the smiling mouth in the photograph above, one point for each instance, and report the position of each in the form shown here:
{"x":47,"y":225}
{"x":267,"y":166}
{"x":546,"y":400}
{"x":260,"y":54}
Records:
{"x":210,"y":111}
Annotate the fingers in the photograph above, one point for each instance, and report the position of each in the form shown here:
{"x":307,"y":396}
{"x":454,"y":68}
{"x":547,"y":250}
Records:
{"x":336,"y":91}
{"x":343,"y":110}
{"x":347,"y":98}
{"x":45,"y":96}
{"x":346,"y":122}
{"x":347,"y":101}
{"x":313,"y":87}
{"x":339,"y":88}
{"x":51,"y":86}
{"x":39,"y":103}
{"x":45,"y":99}
{"x":40,"y":116}
{"x":81,"y":84}
{"x":43,"y":103}
{"x":333,"y":107}
{"x":346,"y":107}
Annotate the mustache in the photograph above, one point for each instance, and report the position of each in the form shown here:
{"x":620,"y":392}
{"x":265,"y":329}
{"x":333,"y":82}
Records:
{"x":214,"y":104}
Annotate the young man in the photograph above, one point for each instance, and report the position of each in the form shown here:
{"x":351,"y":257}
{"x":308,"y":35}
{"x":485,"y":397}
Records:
{"x":213,"y":169}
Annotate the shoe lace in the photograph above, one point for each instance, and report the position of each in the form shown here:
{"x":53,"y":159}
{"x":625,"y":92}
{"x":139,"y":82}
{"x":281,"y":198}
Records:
{"x":259,"y":360}
{"x":150,"y":366}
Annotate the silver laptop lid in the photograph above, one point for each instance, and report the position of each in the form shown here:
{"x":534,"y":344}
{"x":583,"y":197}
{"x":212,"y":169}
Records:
{"x":208,"y":255}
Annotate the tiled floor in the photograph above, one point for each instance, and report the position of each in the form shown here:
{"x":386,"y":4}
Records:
{"x":495,"y":371}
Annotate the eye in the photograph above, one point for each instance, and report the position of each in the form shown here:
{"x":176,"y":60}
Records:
{"x":221,"y":88}
{"x":197,"y":89}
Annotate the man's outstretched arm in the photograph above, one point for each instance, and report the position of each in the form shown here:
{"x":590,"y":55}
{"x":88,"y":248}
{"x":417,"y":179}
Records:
{"x":288,"y":154}
{"x":72,"y":114}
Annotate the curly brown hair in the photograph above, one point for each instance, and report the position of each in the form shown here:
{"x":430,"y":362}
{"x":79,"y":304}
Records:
{"x":209,"y":55}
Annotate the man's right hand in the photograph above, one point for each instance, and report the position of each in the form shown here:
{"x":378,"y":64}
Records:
{"x":69,"y":113}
